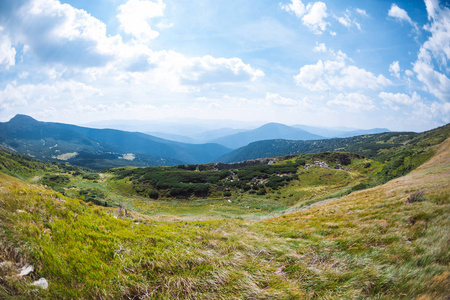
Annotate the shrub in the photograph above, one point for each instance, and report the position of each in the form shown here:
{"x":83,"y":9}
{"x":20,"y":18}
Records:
{"x":153,"y":194}
{"x":360,"y":186}
{"x":91,"y":176}
{"x":417,"y":196}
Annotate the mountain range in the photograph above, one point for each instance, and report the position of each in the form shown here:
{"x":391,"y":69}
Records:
{"x":104,"y":148}
{"x":99,"y":148}
{"x":212,"y":132}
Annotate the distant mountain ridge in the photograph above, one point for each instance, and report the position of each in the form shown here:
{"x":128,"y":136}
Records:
{"x":265,"y":132}
{"x":99,"y":148}
{"x":340,"y":132}
{"x":227,"y":134}
{"x":367,"y":145}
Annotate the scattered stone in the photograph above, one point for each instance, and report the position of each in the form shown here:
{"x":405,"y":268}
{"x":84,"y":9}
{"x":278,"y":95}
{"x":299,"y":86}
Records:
{"x":321,"y":164}
{"x":27,"y":269}
{"x":5,"y":265}
{"x":42,"y":283}
{"x":229,"y":200}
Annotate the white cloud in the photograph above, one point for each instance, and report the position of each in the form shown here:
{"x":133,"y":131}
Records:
{"x":393,"y":100}
{"x":208,"y":69}
{"x":353,"y":102}
{"x":7,"y":52}
{"x":362,"y":12}
{"x":59,"y":33}
{"x":135,"y":14}
{"x":435,"y":82}
{"x":320,"y":47}
{"x":314,"y":19}
{"x":436,"y":50}
{"x":296,"y":6}
{"x":355,"y":78}
{"x":401,"y":14}
{"x":311,"y":77}
{"x":14,"y":95}
{"x":347,"y":21}
{"x":439,"y":41}
{"x":313,"y":15}
{"x":337,"y":74}
{"x":76,"y":44}
{"x":344,"y":21}
{"x":278,"y":100}
{"x":394,"y":68}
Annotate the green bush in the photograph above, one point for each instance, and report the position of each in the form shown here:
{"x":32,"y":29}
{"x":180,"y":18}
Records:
{"x":55,"y":181}
{"x":153,"y":194}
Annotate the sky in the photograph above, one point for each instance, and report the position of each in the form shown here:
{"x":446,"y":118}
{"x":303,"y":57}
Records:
{"x":360,"y":64}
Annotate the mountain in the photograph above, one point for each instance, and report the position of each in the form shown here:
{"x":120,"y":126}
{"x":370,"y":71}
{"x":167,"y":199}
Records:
{"x":367,"y":145}
{"x":198,"y":129}
{"x":339,"y":132}
{"x":98,"y":148}
{"x":174,"y":137}
{"x":210,"y":135}
{"x":266,"y":132}
{"x":197,"y":138}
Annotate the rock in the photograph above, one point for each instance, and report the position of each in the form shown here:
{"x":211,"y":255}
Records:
{"x":27,"y":269}
{"x":5,"y":265}
{"x":229,"y":200}
{"x":42,"y":283}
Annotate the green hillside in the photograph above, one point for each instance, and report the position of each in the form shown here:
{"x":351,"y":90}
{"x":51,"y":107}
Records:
{"x":379,"y":146}
{"x":387,"y":242}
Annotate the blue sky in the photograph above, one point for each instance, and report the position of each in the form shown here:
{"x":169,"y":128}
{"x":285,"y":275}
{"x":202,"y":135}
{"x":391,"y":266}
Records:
{"x":347,"y":63}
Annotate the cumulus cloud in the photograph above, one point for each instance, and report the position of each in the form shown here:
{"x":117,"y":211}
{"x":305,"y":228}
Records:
{"x":313,"y":15}
{"x":7,"y":52}
{"x":394,"y":100}
{"x":394,"y":68}
{"x":320,"y":47}
{"x":315,"y":18}
{"x":354,"y":102}
{"x":134,"y":17}
{"x":63,"y":37}
{"x":435,"y":52}
{"x":401,"y":14}
{"x":296,"y":6}
{"x":209,"y":69}
{"x":57,"y":33}
{"x":336,"y":74}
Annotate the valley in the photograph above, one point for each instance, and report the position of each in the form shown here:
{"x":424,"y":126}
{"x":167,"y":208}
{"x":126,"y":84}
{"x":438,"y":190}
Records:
{"x":370,"y":224}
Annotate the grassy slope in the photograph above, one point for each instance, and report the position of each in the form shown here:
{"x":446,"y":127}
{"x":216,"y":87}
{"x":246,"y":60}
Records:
{"x":369,"y":244}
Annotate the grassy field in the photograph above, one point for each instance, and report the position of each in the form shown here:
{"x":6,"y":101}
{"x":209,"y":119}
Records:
{"x":370,"y":244}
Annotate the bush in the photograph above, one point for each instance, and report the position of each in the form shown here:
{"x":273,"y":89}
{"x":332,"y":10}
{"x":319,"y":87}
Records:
{"x":227,"y":194}
{"x":55,"y":180}
{"x":91,"y":176}
{"x":261,"y":192}
{"x":360,"y":186}
{"x":153,"y":194}
{"x":417,"y":196}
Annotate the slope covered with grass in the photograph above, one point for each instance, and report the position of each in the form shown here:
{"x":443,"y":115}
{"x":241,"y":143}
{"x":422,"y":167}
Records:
{"x":370,"y":244}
